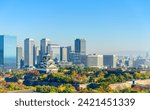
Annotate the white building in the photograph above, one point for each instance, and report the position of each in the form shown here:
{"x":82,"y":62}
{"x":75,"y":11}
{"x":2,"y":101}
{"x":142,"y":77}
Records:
{"x":94,"y":60}
{"x":47,"y":65}
{"x":29,"y":52}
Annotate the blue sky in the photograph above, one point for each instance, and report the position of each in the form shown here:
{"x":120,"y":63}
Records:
{"x":107,"y":25}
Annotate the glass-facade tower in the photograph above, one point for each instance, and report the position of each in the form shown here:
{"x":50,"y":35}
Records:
{"x":7,"y":52}
{"x":80,"y":46}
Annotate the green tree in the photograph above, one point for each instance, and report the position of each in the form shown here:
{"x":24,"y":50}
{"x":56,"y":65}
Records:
{"x":66,"y":88}
{"x":128,"y":76}
{"x":137,"y":75}
{"x":112,"y":78}
{"x":46,"y":89}
{"x":121,"y":78}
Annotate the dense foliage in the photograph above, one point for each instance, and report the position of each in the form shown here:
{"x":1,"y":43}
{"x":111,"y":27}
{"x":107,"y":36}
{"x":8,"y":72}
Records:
{"x":70,"y":80}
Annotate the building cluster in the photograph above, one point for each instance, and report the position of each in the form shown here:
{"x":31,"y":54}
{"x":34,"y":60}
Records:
{"x":48,"y":55}
{"x":101,"y":61}
{"x":136,"y":62}
{"x":63,"y":56}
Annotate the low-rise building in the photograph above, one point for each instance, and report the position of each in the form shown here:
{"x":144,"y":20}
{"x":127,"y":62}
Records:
{"x":110,"y":61}
{"x":94,"y":60}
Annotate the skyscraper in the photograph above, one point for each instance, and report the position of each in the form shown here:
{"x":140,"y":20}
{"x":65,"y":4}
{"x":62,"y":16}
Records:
{"x":7,"y":52}
{"x":43,"y":46}
{"x":79,"y":56}
{"x":29,"y":52}
{"x":63,"y":54}
{"x":19,"y":56}
{"x":69,"y":53}
{"x":80,"y":46}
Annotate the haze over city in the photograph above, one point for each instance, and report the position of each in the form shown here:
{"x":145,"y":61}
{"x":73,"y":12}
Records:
{"x":109,"y":26}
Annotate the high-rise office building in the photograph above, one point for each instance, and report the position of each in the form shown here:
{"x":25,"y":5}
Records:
{"x":29,"y":46}
{"x":80,"y":46}
{"x":7,"y":52}
{"x":79,"y":56}
{"x":69,"y":53}
{"x":110,"y":61}
{"x":43,"y":46}
{"x":76,"y":58}
{"x":63,"y":54}
{"x":19,"y":57}
{"x":94,"y":60}
{"x":54,"y":51}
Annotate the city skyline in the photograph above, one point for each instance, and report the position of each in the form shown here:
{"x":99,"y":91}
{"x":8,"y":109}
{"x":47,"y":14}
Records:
{"x":40,"y":58}
{"x":108,"y":26}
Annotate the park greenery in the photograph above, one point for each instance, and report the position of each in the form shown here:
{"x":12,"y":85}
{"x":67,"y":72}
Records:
{"x":70,"y":80}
